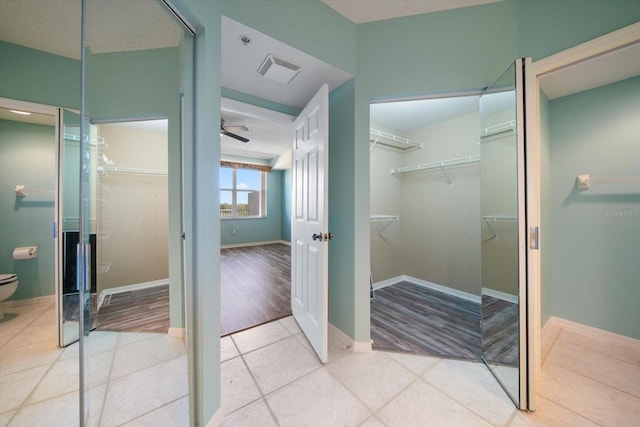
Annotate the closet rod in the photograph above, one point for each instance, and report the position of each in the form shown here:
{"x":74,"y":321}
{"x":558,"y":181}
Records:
{"x":124,"y":170}
{"x":391,"y":140}
{"x":94,"y":141}
{"x":500,"y":218}
{"x":380,"y":218}
{"x":437,"y":165}
{"x":21,"y":191}
{"x":499,"y":128}
{"x":584,"y":182}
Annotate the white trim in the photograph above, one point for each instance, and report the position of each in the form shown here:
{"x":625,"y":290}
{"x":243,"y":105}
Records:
{"x":595,"y":47}
{"x":591,"y":331}
{"x":266,"y":242}
{"x":233,"y":106}
{"x":362,"y":347}
{"x":217,"y":420}
{"x":434,"y":286}
{"x":176,"y":332}
{"x":500,"y":295}
{"x":136,"y":286}
{"x":598,"y":46}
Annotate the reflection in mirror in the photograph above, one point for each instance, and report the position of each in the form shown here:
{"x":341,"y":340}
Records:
{"x":132,"y":63}
{"x":499,"y":252}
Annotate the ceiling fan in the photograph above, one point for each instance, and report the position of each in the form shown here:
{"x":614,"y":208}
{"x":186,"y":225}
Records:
{"x":224,"y":131}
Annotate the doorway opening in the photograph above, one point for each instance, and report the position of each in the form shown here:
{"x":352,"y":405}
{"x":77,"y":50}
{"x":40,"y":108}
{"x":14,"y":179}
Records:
{"x":426,"y":231}
{"x":132,"y":280}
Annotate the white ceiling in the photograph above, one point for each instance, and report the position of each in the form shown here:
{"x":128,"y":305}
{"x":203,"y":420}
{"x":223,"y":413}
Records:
{"x":114,"y":25}
{"x":360,"y":11}
{"x":240,"y":64}
{"x":407,"y":116}
{"x":267,"y":139}
{"x":33,"y":118}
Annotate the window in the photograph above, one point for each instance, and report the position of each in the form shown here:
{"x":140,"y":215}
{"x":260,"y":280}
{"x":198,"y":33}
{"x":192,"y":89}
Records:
{"x":242,"y":193}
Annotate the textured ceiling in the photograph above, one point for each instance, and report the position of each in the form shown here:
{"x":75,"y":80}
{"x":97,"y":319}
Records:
{"x":360,"y":11}
{"x":113,"y":25}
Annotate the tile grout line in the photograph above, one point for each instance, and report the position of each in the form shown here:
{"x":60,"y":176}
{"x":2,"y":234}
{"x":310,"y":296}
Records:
{"x":151,"y":411}
{"x":610,"y":387}
{"x":473,"y":411}
{"x":108,"y":384}
{"x":417,"y":379}
{"x":23,"y":404}
{"x":255,"y":382}
{"x":25,"y":327}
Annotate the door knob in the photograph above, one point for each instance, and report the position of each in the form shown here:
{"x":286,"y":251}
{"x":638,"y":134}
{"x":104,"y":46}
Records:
{"x":317,"y":236}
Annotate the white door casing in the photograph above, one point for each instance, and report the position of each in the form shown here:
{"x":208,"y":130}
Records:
{"x":309,"y":263}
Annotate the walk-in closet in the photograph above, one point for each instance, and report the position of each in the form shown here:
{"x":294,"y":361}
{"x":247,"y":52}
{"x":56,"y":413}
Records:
{"x":444,"y":226}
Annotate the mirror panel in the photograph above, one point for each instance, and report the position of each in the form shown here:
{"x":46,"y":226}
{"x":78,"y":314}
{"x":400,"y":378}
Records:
{"x":500,"y":226}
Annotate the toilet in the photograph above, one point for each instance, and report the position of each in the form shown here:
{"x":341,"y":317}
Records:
{"x":8,"y":285}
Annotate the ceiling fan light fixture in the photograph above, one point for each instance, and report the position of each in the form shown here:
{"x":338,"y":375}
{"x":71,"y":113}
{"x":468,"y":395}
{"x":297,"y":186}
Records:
{"x":278,"y":70}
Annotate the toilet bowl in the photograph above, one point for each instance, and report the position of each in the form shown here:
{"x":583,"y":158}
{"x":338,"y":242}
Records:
{"x":8,"y":285}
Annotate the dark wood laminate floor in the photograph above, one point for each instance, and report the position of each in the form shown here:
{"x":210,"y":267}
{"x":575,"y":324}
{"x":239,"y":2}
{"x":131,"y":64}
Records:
{"x":142,"y":310}
{"x":500,"y":331}
{"x":255,"y":286}
{"x":411,"y":318}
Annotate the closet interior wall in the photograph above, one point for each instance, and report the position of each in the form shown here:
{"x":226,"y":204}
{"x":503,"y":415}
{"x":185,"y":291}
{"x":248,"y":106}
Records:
{"x":132,"y":207}
{"x":437,"y":238}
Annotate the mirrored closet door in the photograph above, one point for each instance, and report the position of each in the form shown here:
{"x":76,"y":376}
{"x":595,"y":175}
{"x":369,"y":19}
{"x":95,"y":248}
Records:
{"x":503,"y":251}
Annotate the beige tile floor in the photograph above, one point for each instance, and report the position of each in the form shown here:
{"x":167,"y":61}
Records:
{"x":133,"y":379}
{"x":270,"y":377}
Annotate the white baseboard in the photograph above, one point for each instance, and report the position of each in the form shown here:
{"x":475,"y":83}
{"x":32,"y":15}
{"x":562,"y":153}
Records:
{"x":176,"y":332}
{"x":500,"y":295}
{"x":216,"y":420}
{"x":362,"y":347}
{"x":127,"y":288}
{"x":266,"y":242}
{"x":430,"y":285}
{"x":590,"y":331}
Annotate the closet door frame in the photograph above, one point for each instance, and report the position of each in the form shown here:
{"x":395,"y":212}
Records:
{"x":598,"y":46}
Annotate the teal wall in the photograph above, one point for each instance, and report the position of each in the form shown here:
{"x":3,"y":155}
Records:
{"x":138,"y":84}
{"x":253,"y":230}
{"x":36,"y":76}
{"x":549,"y":26}
{"x":595,"y":233}
{"x":27,"y":157}
{"x":341,"y":208}
{"x":285,"y":228}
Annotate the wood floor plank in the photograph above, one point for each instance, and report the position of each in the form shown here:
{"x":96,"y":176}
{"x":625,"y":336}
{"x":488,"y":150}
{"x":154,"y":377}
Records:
{"x":411,"y":318}
{"x":255,"y":288}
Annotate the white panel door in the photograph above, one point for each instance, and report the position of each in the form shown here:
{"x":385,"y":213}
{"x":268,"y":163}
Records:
{"x":309,"y":265}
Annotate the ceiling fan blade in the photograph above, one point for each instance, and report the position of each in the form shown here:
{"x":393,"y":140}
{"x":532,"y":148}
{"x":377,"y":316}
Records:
{"x":237,"y":127}
{"x":233,"y":135}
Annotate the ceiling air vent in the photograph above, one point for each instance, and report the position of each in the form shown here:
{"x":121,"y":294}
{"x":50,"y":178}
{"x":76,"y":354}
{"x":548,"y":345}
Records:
{"x":278,"y":70}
